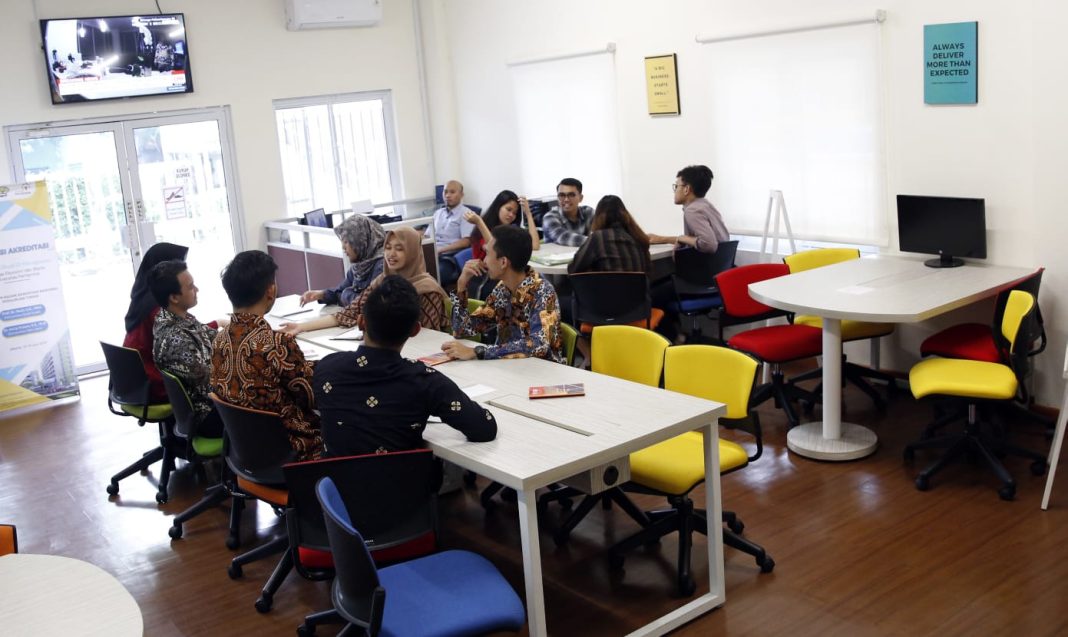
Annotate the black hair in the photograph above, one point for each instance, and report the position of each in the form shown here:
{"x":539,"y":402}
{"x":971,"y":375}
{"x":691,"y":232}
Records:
{"x":570,"y":181}
{"x":492,"y":216}
{"x":699,"y":178}
{"x":163,"y":280}
{"x":514,"y":243}
{"x":247,"y":278}
{"x":391,"y":311}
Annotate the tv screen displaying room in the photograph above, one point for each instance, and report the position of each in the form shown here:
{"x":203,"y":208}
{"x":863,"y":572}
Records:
{"x":90,"y":59}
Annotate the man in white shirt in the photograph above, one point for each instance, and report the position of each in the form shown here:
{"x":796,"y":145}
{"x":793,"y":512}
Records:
{"x":452,"y":232}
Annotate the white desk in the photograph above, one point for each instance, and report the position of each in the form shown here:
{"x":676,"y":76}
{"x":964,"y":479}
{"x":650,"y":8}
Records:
{"x":1058,"y":439}
{"x":658,"y":251}
{"x":53,"y":595}
{"x":613,"y":419}
{"x":880,"y":289}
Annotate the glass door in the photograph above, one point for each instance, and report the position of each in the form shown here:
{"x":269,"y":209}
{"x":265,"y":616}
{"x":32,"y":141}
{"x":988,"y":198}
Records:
{"x":116,"y":188}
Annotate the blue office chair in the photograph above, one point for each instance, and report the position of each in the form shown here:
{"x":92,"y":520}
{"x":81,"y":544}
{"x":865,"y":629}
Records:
{"x":448,"y":593}
{"x":462,"y":257}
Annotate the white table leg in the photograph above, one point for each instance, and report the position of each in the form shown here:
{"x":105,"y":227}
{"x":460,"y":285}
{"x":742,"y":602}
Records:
{"x":832,"y":439}
{"x":528,"y":533}
{"x":1055,"y":450}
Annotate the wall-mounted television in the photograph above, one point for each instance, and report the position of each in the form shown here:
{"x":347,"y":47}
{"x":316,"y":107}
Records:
{"x":110,"y":57}
{"x":950,"y":227}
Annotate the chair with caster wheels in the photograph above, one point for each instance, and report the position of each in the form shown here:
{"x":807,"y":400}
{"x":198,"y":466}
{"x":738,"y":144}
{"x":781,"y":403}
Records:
{"x":673,"y":468}
{"x":128,"y":395}
{"x":981,"y":385}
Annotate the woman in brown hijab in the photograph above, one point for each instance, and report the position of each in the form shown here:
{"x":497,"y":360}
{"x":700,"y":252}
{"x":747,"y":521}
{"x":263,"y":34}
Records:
{"x":403,"y":255}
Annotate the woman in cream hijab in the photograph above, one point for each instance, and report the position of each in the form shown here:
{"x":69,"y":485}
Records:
{"x":403,"y":256}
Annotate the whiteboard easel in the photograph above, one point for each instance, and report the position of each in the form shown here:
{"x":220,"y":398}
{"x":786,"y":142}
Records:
{"x":776,"y":206}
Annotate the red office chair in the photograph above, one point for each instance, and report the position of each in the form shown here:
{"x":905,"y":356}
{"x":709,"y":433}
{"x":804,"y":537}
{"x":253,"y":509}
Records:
{"x":773,"y":345}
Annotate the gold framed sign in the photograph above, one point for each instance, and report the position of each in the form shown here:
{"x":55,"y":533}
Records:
{"x":662,"y":84}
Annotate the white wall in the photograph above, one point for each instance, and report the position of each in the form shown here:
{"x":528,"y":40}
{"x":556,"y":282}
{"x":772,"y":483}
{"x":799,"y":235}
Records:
{"x":1008,"y":149}
{"x":243,"y":57}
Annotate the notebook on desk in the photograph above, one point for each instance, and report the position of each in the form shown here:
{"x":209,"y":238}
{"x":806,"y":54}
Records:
{"x":355,"y":334}
{"x":288,"y":306}
{"x":555,"y":258}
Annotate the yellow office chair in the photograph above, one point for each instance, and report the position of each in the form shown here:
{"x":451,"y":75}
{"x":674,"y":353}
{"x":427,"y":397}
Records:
{"x":851,"y":330}
{"x":675,"y":467}
{"x":981,"y":383}
{"x":631,"y":353}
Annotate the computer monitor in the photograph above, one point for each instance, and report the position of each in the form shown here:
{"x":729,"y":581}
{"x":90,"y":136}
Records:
{"x":317,"y":218}
{"x":950,"y":227}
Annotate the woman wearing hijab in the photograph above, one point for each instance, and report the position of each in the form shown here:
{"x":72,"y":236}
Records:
{"x":403,"y":255}
{"x":143,"y":311}
{"x":361,"y":239}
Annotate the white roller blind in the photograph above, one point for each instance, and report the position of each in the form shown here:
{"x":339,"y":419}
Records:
{"x":566,"y":113}
{"x":800,"y":113}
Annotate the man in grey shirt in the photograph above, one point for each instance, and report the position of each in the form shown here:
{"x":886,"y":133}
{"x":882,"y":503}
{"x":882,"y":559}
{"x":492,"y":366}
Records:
{"x":702,"y":225}
{"x":568,"y":222}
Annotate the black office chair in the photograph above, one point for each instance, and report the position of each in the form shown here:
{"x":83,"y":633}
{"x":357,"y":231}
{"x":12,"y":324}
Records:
{"x":612,"y":298}
{"x":694,"y":282}
{"x":392,"y":495}
{"x":128,"y":395}
{"x":197,"y":449}
{"x":257,"y":446}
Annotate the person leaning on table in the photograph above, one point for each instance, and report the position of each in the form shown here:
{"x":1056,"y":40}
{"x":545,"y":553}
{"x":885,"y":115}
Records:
{"x":523,"y":306}
{"x":702,"y":225}
{"x":374,"y":400}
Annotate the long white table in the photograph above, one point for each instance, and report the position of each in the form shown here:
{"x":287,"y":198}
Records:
{"x":656,"y":252}
{"x":545,"y":441}
{"x":55,"y":595}
{"x":880,"y":289}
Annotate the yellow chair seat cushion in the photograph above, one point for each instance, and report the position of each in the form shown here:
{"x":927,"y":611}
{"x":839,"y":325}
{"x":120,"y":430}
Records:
{"x":964,"y":378}
{"x":155,"y":412}
{"x":851,"y":330}
{"x":677,"y":465}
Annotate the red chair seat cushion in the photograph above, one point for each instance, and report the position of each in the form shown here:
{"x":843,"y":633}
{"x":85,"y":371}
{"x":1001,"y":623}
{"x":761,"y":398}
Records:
{"x":315,"y":559}
{"x":970,"y":341}
{"x":425,"y":544}
{"x":779,"y":343}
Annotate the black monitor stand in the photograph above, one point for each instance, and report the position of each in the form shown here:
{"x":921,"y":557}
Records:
{"x":944,"y":261}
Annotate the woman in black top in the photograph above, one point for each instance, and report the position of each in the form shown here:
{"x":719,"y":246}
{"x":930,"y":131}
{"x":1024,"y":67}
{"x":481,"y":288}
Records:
{"x":616,"y":242}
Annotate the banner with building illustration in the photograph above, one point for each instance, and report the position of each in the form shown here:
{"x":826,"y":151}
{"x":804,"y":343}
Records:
{"x":36,"y":364}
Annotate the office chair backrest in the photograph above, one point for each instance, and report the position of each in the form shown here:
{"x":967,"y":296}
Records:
{"x":734,"y":289}
{"x":1017,"y":330}
{"x":570,"y":336}
{"x":695,"y":271}
{"x":630,"y":353}
{"x":257,"y":442}
{"x":185,"y":421}
{"x":721,"y":374}
{"x":1030,"y":284}
{"x":128,"y":383}
{"x":610,"y":298}
{"x":357,"y":581}
{"x":392,"y":497}
{"x":811,"y":259}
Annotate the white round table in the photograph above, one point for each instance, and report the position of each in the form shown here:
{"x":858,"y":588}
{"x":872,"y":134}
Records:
{"x":53,"y":595}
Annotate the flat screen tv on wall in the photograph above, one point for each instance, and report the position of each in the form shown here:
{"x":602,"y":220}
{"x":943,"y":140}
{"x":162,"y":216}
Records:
{"x":91,"y":59}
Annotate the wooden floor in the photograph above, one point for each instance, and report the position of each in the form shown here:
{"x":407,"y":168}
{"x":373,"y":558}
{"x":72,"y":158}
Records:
{"x":858,"y":550}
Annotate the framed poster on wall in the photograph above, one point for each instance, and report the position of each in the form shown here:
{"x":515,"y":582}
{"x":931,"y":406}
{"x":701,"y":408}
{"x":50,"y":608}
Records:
{"x":951,"y":63}
{"x":662,"y":84}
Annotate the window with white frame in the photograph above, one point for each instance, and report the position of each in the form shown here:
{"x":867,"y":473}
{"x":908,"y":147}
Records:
{"x":801,"y":113}
{"x":336,"y":150}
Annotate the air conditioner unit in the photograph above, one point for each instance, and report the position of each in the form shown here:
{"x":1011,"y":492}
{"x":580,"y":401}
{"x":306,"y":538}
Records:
{"x":328,"y":14}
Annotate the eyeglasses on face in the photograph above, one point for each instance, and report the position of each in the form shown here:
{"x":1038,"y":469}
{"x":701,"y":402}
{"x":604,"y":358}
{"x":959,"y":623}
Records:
{"x":677,"y":186}
{"x":566,"y":195}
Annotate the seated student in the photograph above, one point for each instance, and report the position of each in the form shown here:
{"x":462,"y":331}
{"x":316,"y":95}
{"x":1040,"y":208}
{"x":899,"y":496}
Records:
{"x":503,"y":211}
{"x":361,"y":239}
{"x":404,"y":257}
{"x":141,"y":315}
{"x":616,"y":242}
{"x":523,"y":306}
{"x":182,"y":344}
{"x":702,"y":225}
{"x":451,"y":231}
{"x":256,"y":367}
{"x":567,"y":223}
{"x":374,"y":400}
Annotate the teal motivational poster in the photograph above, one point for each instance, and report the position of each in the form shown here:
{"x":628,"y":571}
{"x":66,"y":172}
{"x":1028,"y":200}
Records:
{"x":950,"y":63}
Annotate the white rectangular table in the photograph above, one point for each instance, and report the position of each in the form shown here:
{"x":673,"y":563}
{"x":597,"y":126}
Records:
{"x":656,"y":252}
{"x":535,"y":449}
{"x":880,"y":289}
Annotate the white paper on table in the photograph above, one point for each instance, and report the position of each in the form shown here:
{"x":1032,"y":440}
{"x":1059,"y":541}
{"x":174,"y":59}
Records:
{"x":474,"y":391}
